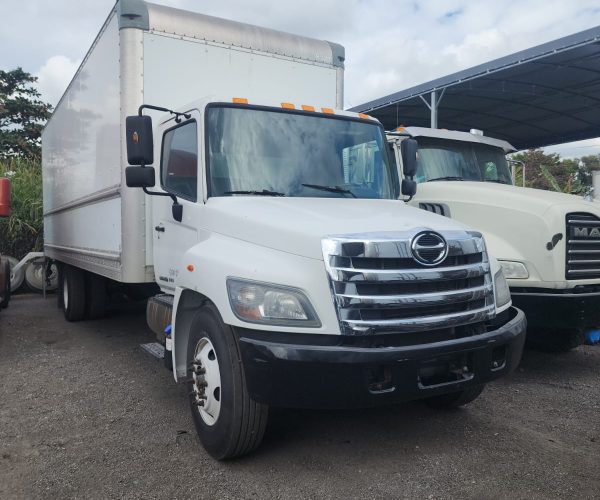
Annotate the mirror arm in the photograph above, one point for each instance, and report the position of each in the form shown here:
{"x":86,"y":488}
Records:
{"x":158,"y":193}
{"x":178,"y":115}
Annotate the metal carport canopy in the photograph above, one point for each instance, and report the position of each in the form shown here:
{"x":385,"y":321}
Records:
{"x":549,"y":94}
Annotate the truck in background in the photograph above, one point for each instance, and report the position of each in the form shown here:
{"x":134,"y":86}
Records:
{"x":288,"y":274}
{"x":5,"y":208}
{"x":548,"y":243}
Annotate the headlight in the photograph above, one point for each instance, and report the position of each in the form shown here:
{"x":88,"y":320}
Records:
{"x":501,"y":289}
{"x":514,"y":270}
{"x":257,"y":302}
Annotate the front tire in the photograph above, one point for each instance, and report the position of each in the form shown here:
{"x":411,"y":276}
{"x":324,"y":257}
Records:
{"x":73,"y":293}
{"x":455,"y":399}
{"x":229,"y":423}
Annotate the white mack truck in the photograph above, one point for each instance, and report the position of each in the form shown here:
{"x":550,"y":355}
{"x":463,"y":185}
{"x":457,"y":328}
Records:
{"x":548,"y":243}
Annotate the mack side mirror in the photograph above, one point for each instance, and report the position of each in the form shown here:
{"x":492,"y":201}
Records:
{"x":409,"y":188}
{"x":408,"y":150}
{"x":140,"y":145}
{"x":139,"y":177}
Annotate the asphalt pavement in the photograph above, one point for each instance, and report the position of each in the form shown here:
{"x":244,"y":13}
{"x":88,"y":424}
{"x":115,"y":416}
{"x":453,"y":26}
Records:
{"x":86,"y":413}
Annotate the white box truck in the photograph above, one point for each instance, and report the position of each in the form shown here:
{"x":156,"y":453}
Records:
{"x":548,"y":243}
{"x":288,"y":273}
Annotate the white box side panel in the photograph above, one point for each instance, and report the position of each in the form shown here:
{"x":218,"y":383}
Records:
{"x":81,"y":163}
{"x":178,"y":71}
{"x":95,"y":228}
{"x":81,"y":143}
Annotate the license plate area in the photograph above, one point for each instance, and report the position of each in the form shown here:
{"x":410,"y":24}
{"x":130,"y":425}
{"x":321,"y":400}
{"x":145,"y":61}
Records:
{"x":445,"y":370}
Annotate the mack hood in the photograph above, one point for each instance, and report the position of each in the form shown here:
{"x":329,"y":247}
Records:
{"x":527,"y":200}
{"x":297,"y":225}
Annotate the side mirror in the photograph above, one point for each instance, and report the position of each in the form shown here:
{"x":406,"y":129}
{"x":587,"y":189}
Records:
{"x":139,"y":177}
{"x":140,"y":144}
{"x":408,"y":150}
{"x":409,"y":187}
{"x":5,"y":201}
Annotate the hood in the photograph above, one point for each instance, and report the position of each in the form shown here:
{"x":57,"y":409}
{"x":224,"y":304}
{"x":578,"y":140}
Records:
{"x":297,"y":225}
{"x":533,"y":201}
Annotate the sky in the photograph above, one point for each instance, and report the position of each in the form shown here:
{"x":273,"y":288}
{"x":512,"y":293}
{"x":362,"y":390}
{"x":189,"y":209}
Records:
{"x":390,"y":44}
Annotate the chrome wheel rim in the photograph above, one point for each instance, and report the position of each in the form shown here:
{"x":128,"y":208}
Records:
{"x":206,"y":379}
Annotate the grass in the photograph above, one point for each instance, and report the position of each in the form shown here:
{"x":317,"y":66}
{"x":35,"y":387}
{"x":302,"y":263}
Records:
{"x":22,"y":232}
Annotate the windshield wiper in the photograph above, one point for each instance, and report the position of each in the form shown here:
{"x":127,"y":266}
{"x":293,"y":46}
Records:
{"x":330,"y":189}
{"x":264,"y":192}
{"x":497,"y":181}
{"x":449,"y":178}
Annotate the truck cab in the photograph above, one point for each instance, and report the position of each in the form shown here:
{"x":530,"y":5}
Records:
{"x":547,"y":242}
{"x":278,"y":234}
{"x":5,"y":208}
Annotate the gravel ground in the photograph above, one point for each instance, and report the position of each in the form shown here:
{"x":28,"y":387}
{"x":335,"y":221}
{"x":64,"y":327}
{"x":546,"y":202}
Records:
{"x":85,"y":413}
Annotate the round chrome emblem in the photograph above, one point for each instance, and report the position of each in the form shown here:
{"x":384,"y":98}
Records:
{"x":429,"y":248}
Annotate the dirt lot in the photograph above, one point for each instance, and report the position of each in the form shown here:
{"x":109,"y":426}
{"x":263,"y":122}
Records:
{"x":85,"y":413}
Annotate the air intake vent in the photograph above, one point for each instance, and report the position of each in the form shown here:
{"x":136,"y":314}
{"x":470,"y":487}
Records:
{"x":436,"y":208}
{"x":583,"y":246}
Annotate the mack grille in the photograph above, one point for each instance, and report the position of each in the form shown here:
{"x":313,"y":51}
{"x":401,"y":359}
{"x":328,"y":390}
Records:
{"x":583,"y":246}
{"x":378,"y":286}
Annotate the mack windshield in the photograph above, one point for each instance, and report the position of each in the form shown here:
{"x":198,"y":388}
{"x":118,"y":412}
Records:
{"x":441,"y":159}
{"x":280,"y":153}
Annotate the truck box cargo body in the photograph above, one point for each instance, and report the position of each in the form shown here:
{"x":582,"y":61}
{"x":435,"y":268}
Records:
{"x":547,"y":242}
{"x":214,"y":161}
{"x":149,"y":53}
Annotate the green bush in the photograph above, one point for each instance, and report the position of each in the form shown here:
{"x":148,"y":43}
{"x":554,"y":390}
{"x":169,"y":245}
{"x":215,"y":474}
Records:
{"x":22,"y":232}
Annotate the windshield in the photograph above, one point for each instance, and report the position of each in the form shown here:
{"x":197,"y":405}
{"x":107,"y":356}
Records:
{"x":442,"y":159}
{"x":279,"y":153}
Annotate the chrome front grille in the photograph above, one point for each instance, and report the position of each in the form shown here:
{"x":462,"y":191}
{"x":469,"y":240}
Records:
{"x":583,"y":246}
{"x":378,"y":286}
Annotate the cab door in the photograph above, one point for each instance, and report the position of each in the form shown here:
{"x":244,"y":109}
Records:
{"x":179,"y":176}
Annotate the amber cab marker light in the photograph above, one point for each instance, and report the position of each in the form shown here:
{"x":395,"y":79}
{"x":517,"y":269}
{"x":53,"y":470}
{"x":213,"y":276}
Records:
{"x":305,"y":107}
{"x":364,"y":117}
{"x":287,"y":105}
{"x":327,"y":111}
{"x":240,"y":100}
{"x":190,"y":268}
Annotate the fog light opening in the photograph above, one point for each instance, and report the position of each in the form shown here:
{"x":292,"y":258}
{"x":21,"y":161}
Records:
{"x":379,"y":379}
{"x":498,"y":358}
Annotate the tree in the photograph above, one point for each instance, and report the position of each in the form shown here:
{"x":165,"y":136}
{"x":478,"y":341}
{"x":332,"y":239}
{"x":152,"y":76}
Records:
{"x":22,"y":115}
{"x":550,"y":172}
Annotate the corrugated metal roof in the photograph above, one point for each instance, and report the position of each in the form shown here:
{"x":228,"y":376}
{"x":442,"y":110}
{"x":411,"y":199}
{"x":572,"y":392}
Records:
{"x":544,"y":95}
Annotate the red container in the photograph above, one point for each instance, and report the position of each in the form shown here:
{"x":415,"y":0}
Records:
{"x":4,"y":197}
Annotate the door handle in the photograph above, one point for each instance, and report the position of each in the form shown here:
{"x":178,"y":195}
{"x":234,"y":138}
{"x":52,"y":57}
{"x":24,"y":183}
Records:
{"x":160,"y":229}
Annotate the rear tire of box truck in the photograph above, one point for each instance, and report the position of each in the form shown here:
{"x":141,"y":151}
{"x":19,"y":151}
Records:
{"x":229,"y":423}
{"x":72,"y":293}
{"x":96,"y":296}
{"x":6,"y":291}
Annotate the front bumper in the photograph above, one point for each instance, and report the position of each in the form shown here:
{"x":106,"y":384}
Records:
{"x":577,"y":308}
{"x":304,"y":375}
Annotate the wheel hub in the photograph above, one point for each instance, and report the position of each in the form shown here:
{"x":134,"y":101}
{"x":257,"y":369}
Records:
{"x":206,"y":381}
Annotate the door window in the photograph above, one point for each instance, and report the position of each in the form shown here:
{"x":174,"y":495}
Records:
{"x":179,"y":166}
